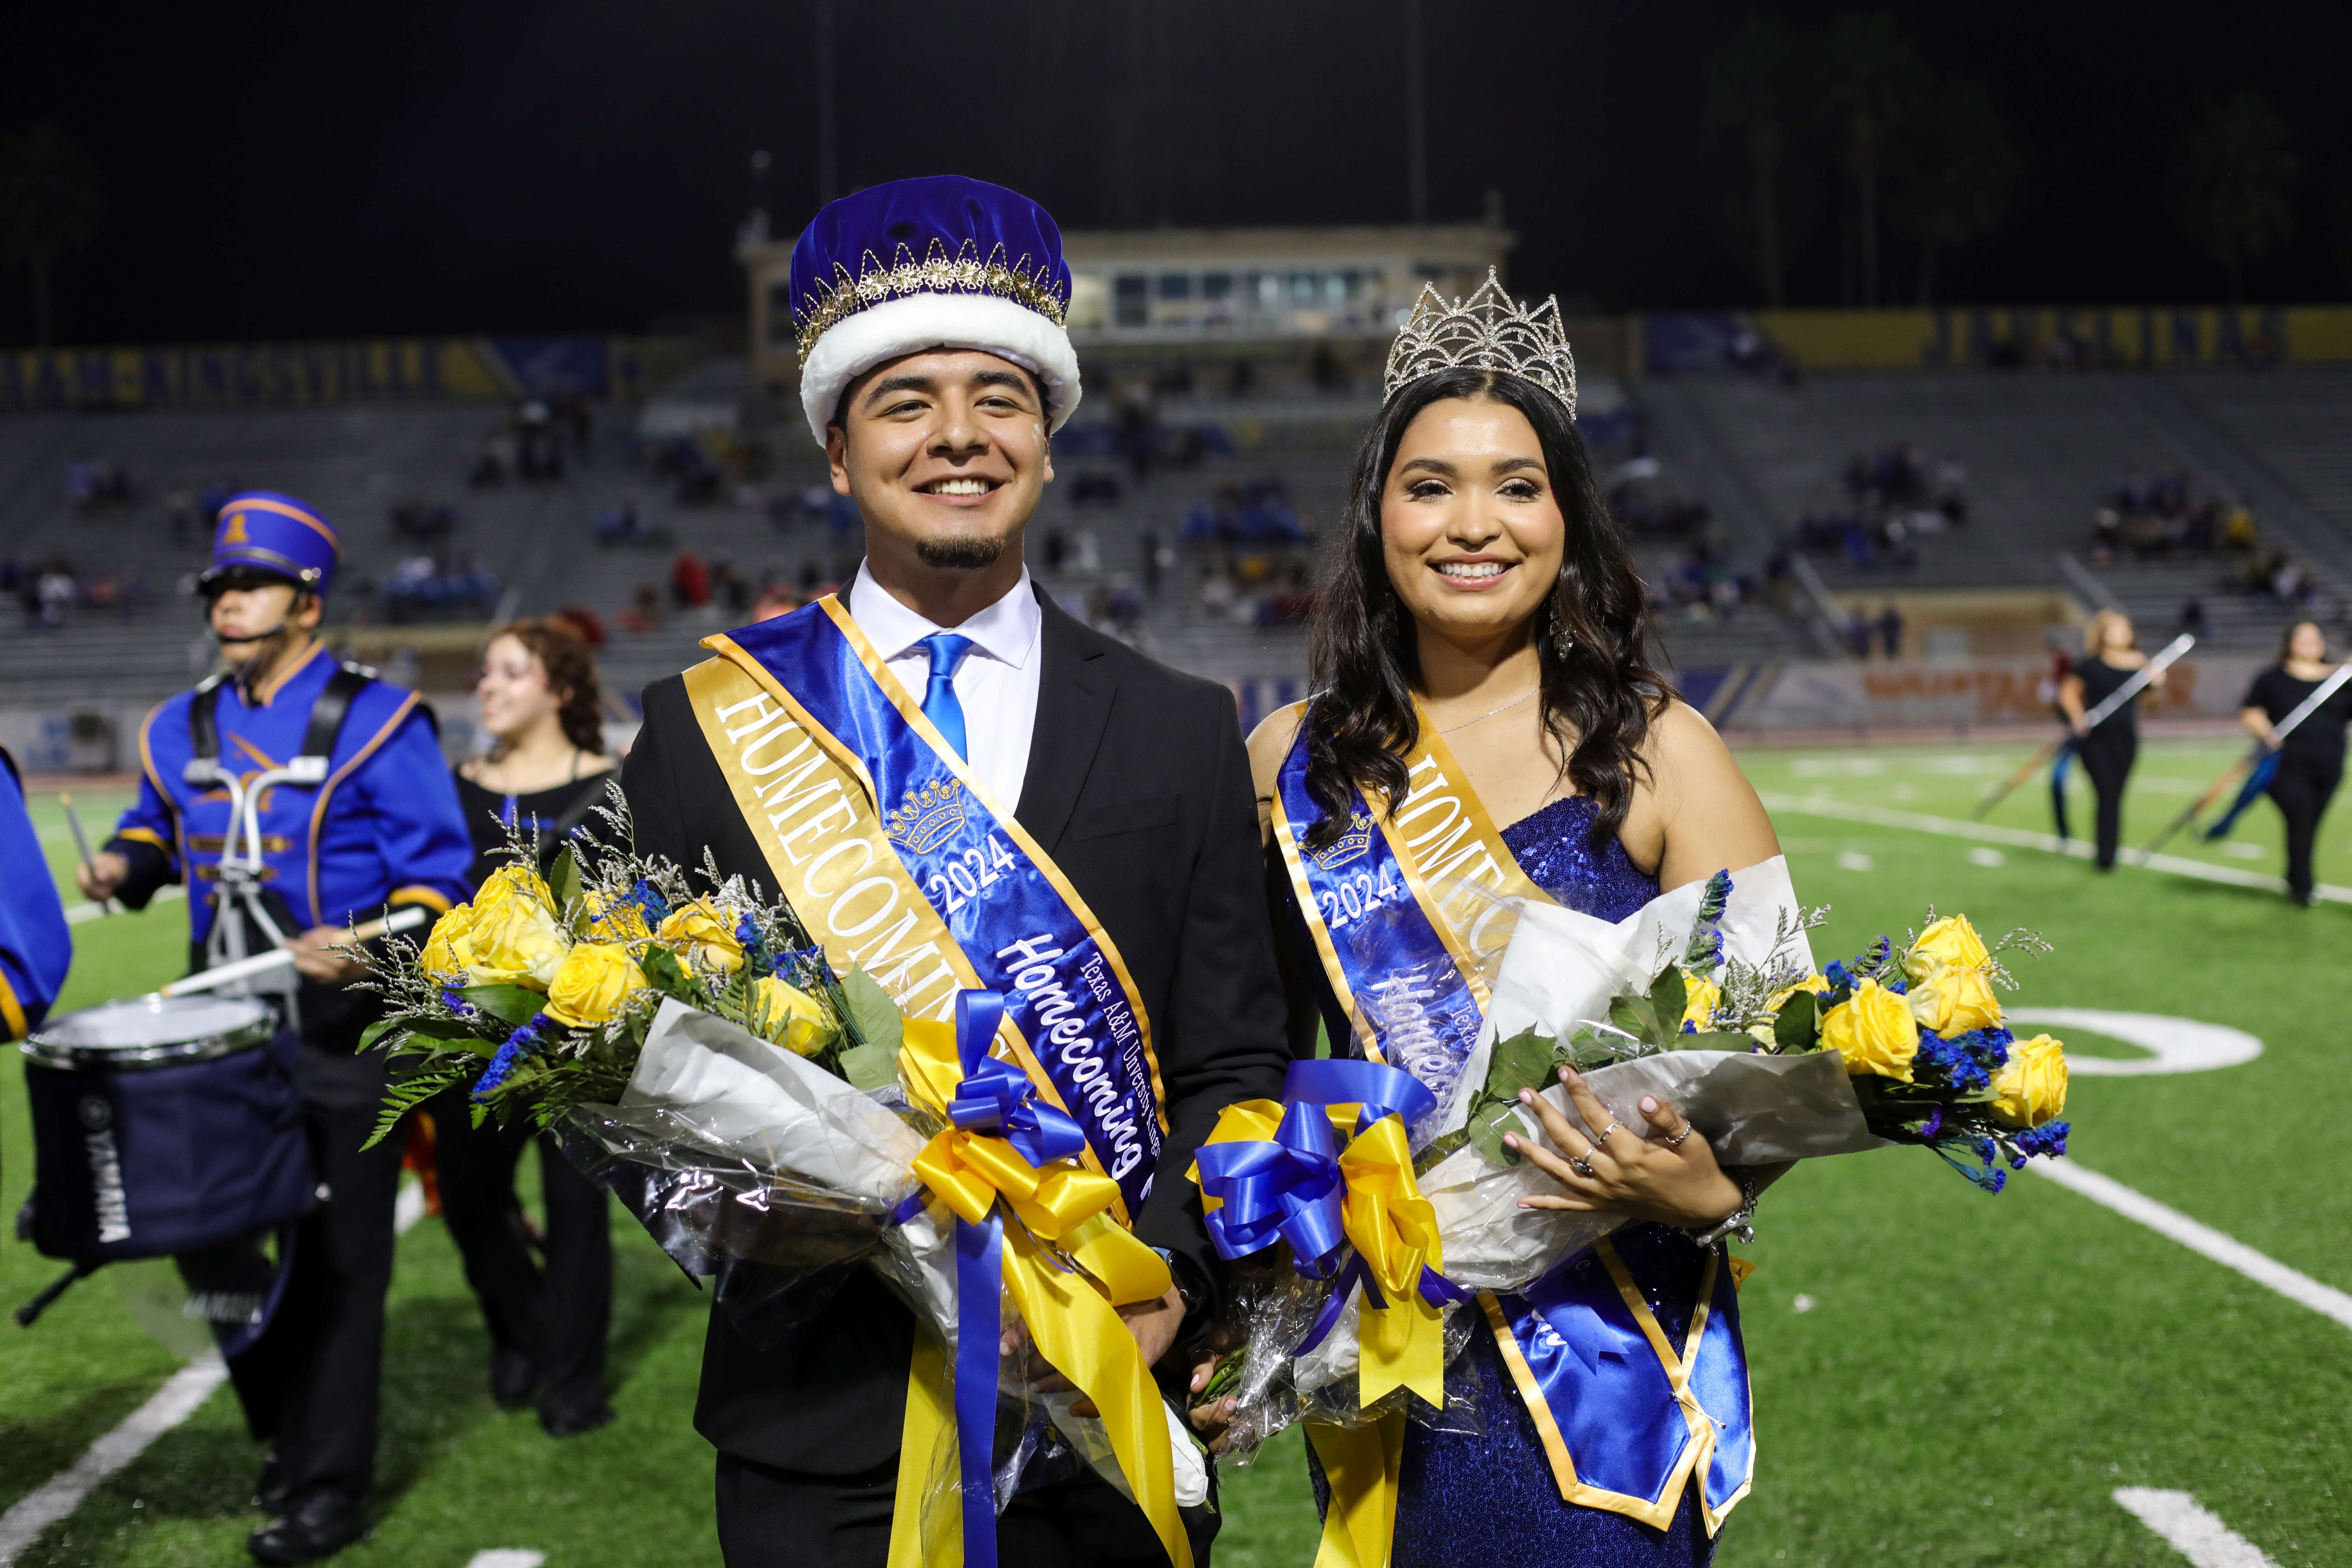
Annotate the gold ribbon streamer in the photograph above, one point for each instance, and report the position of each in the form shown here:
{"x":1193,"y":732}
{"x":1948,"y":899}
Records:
{"x":1071,"y":1312}
{"x":1361,"y":1464}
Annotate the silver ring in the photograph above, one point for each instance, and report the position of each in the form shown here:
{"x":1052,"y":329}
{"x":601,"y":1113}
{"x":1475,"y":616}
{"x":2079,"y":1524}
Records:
{"x":1676,"y":1140}
{"x":1603,"y":1141}
{"x":1578,"y":1163}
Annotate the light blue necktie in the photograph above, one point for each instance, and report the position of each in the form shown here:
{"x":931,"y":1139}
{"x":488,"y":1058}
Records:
{"x":940,"y":705}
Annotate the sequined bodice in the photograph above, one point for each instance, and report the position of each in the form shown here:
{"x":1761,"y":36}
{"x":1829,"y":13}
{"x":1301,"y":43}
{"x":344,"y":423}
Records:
{"x":1553,"y":848}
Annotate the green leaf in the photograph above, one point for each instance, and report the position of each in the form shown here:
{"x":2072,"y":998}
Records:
{"x":1486,"y":1128}
{"x":1799,"y":1026}
{"x":870,"y":1067}
{"x":564,"y":880}
{"x":377,"y":1030}
{"x":876,"y":1016}
{"x":1669,"y":996}
{"x":511,"y":1004}
{"x":1523,"y":1062}
{"x":666,"y":974}
{"x":1633,"y":1014}
{"x":1715,"y":1040}
{"x":412,"y":1091}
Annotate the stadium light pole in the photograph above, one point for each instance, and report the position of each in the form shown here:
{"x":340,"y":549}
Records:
{"x":1416,"y":114}
{"x":828,"y":140}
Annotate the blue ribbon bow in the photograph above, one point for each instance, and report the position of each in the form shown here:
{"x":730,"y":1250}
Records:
{"x":997,"y":1097}
{"x":1289,"y":1188}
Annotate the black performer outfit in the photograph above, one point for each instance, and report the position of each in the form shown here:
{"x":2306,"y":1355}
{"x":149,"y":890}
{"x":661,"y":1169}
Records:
{"x":1139,"y":787}
{"x":548,"y":1325}
{"x":2311,"y":764}
{"x":2109,"y":751}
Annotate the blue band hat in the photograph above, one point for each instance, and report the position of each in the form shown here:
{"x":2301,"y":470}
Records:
{"x":939,"y":262}
{"x":261,"y":530}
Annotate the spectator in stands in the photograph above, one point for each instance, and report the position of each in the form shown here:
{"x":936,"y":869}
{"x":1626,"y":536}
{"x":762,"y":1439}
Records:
{"x":2193,"y":621}
{"x":644,"y":614}
{"x":1890,"y":630}
{"x":689,"y":581}
{"x":777,"y":598}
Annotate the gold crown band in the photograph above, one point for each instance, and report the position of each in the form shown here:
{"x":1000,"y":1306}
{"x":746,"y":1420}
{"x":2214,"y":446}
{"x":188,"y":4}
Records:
{"x":843,"y":296}
{"x":1487,"y":331}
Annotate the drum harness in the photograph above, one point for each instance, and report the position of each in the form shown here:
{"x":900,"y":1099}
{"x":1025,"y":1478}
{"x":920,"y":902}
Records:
{"x":241,"y":902}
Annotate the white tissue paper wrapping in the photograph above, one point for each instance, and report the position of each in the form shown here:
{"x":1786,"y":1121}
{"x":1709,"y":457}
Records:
{"x":1561,"y":970}
{"x":747,"y":1100}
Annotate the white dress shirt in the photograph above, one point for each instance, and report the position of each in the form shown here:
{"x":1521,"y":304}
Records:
{"x":996,"y":683}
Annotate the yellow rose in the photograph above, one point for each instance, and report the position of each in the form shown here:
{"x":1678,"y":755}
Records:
{"x":512,"y":881}
{"x":613,"y":919}
{"x":449,"y":948}
{"x":795,"y":1020}
{"x":1965,"y":1000}
{"x":702,"y":930}
{"x":517,"y":943}
{"x":1701,"y":997}
{"x":2031,"y":1088}
{"x":1874,"y":1031}
{"x":1951,"y":942}
{"x":1816,"y":984}
{"x":594,"y":979}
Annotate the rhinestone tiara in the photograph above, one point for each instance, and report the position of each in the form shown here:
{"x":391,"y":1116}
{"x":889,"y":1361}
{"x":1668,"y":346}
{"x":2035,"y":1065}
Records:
{"x":1485,"y":332}
{"x":835,"y":299}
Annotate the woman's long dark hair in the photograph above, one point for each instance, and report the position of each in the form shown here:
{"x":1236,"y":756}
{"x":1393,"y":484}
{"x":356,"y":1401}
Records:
{"x":1598,"y":696}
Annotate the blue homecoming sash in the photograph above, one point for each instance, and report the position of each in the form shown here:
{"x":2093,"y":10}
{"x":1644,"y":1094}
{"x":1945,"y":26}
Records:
{"x":894,"y":855}
{"x":1625,"y":1416}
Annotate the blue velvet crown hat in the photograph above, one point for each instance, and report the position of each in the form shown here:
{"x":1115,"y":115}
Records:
{"x":262,"y":531}
{"x":939,"y":262}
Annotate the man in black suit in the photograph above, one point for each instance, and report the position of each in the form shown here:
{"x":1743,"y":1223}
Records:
{"x":1130,"y":777}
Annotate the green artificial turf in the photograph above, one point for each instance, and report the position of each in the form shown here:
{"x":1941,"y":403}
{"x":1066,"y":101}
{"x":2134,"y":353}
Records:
{"x":1940,"y":1376}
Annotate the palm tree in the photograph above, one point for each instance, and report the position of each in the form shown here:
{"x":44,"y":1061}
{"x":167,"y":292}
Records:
{"x":2233,"y":184}
{"x":1959,"y":167}
{"x":50,"y":203}
{"x":1751,"y":90}
{"x":1870,"y":78}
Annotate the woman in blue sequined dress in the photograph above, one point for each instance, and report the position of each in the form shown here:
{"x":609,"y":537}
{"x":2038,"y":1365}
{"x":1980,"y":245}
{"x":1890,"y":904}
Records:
{"x":1481,"y":591}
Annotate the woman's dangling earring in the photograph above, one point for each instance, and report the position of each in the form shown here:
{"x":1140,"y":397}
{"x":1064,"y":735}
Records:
{"x":1562,"y":641}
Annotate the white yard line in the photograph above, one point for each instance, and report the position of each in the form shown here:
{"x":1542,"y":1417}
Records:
{"x":506,"y":1557}
{"x":2021,"y":838}
{"x":89,"y":912}
{"x":2198,"y":1238}
{"x":178,"y":1399}
{"x":2194,"y":1532}
{"x":62,"y":1493}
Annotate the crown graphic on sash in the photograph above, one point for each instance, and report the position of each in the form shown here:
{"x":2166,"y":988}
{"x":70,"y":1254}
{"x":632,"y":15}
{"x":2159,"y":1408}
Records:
{"x":925,"y":817}
{"x":1349,"y":847}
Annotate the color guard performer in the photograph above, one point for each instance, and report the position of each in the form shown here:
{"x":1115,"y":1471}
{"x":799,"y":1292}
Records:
{"x":298,"y":795}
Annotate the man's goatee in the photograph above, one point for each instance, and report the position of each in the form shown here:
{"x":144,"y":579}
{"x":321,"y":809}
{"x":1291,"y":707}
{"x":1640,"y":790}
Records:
{"x":958,"y":554}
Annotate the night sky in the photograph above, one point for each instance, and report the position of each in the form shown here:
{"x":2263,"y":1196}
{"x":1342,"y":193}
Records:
{"x":304,"y":171}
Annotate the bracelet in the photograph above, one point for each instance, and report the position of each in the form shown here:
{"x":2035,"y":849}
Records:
{"x":1739,"y":1222}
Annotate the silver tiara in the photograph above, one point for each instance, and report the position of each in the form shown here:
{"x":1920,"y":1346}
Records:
{"x":1485,"y":332}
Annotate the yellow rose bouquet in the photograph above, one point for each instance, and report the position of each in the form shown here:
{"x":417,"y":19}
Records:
{"x":537,"y":995}
{"x":1916,"y":1029}
{"x":697,"y":1054}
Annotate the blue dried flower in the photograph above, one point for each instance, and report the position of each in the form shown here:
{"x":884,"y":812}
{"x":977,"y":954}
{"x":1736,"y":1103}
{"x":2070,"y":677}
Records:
{"x":1837,"y":974}
{"x":646,"y":898}
{"x":2047,"y":1139}
{"x":458,"y":1004}
{"x":519,"y":1044}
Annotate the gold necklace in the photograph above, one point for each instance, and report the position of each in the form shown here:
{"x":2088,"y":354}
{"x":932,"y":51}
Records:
{"x":1490,"y":713}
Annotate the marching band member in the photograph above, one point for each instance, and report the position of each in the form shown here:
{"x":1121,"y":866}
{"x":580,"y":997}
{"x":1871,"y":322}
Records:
{"x":298,"y":794}
{"x":34,"y":944}
{"x":2111,"y":657}
{"x":2311,"y":757}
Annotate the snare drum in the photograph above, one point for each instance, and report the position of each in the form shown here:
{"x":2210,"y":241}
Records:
{"x":164,"y":1124}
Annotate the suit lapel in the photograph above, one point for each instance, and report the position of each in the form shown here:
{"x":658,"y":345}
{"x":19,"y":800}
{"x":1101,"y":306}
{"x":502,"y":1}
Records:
{"x":1074,"y":698}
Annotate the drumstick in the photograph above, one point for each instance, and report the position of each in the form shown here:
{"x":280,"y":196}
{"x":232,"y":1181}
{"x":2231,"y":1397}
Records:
{"x":279,"y":958}
{"x":82,"y":842}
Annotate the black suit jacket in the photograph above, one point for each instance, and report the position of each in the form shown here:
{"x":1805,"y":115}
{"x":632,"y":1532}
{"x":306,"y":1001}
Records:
{"x":1138,"y":788}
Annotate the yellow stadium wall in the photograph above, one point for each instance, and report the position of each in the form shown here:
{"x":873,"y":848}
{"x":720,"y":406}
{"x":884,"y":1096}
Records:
{"x":2129,"y":335}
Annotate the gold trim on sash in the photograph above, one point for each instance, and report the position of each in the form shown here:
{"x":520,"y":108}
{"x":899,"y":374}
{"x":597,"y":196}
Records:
{"x":1657,"y":1512}
{"x":1463,"y":846}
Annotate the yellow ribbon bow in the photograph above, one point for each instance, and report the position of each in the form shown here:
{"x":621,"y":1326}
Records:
{"x":1071,"y":1314}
